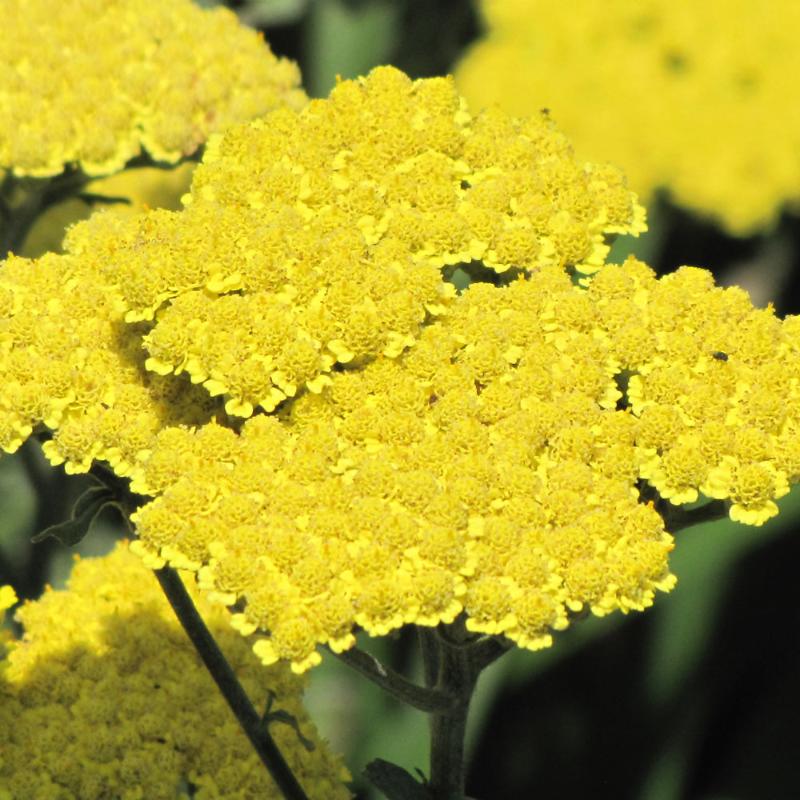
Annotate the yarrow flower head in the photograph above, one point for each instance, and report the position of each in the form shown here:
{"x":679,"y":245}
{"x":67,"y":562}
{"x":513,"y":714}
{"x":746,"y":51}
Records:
{"x":386,"y":450}
{"x":93,"y":82}
{"x":105,"y":697}
{"x":309,"y":240}
{"x":691,"y":97}
{"x":319,"y":238}
{"x":494,"y":469}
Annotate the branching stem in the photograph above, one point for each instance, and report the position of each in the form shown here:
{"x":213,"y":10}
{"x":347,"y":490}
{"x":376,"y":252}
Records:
{"x":429,"y":700}
{"x":678,"y":519}
{"x":457,"y":675}
{"x":453,"y":659}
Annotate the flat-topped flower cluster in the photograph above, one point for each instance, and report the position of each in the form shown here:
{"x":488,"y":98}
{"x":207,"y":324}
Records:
{"x":92,"y":82}
{"x":333,"y":437}
{"x":691,"y":97}
{"x":105,"y":697}
{"x":319,"y":238}
{"x":494,"y":468}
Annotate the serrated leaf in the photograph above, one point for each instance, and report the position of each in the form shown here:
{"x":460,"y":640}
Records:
{"x":86,"y":509}
{"x":395,"y":782}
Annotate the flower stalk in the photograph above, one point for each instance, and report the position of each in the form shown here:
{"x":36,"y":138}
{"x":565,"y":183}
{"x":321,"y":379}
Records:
{"x":424,"y":699}
{"x":228,"y":684}
{"x":678,"y":519}
{"x":459,"y":660}
{"x":448,"y":728}
{"x":453,"y":659}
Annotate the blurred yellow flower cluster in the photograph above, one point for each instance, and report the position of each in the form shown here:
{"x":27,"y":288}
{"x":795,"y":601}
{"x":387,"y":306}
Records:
{"x":694,"y":97}
{"x":92,"y":82}
{"x":105,"y":697}
{"x":386,"y":450}
{"x":8,"y":597}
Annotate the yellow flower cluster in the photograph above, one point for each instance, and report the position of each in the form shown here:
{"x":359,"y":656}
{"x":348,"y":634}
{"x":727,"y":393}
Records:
{"x":93,"y":82}
{"x":266,"y":295}
{"x":692,"y":97}
{"x":275,"y":272}
{"x":392,"y":451}
{"x":493,"y":468}
{"x":319,"y":238}
{"x":105,"y":697}
{"x":69,"y":361}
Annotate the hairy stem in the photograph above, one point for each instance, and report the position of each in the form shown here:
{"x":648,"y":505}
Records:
{"x":225,"y":678}
{"x":418,"y":697}
{"x":457,"y":674}
{"x":429,"y":647}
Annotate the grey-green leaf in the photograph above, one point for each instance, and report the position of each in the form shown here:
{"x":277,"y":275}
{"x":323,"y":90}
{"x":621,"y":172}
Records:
{"x":87,"y":507}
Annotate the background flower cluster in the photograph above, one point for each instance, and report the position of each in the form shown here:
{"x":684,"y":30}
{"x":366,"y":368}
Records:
{"x":105,"y":696}
{"x":689,"y":97}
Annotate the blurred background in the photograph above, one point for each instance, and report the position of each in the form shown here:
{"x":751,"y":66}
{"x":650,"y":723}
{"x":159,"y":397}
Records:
{"x":699,"y":697}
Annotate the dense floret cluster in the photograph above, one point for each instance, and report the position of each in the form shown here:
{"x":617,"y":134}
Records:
{"x":495,"y":468}
{"x":69,"y":361}
{"x":333,"y":437}
{"x":319,"y":238}
{"x":310,"y":239}
{"x":692,"y":97}
{"x":129,"y":75}
{"x":105,"y":697}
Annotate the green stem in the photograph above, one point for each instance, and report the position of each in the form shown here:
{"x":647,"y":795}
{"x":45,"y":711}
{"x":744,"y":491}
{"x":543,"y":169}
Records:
{"x":225,"y":678}
{"x":458,"y":673}
{"x":678,"y":519}
{"x":453,"y":659}
{"x":418,"y":697}
{"x":486,"y":651}
{"x":429,"y":647}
